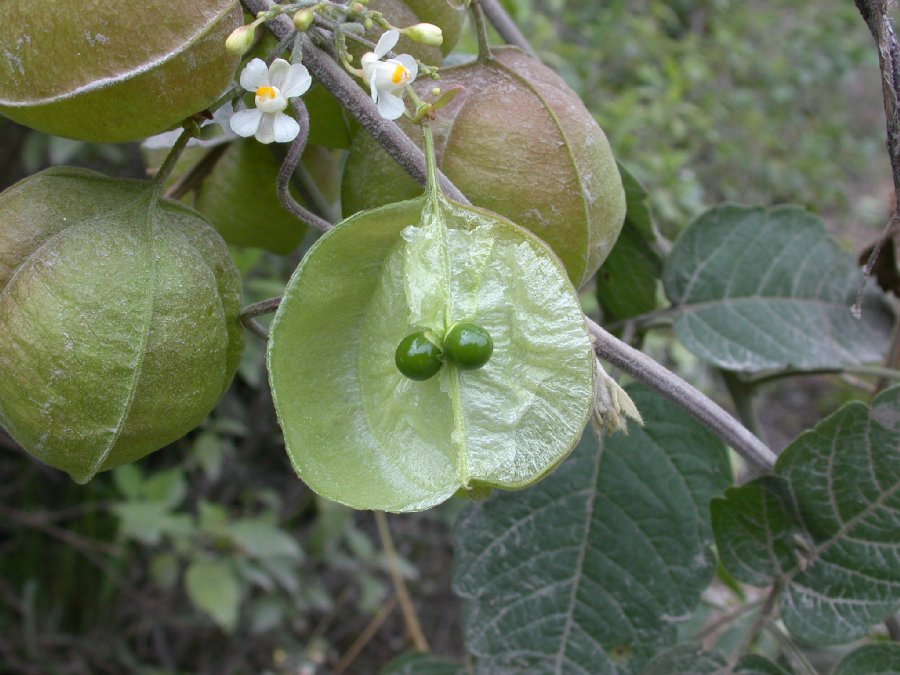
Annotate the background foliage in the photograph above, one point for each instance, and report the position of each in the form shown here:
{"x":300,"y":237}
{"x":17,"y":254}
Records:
{"x":210,"y":557}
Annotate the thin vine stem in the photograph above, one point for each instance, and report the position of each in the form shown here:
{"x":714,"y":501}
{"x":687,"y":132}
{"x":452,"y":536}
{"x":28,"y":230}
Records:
{"x":159,"y":180}
{"x":286,"y":173}
{"x":794,"y":654}
{"x":742,"y":395}
{"x":409,"y":613}
{"x":484,"y":46}
{"x":874,"y":371}
{"x":249,"y":313}
{"x":725,"y":621}
{"x":752,"y":635}
{"x":505,"y":26}
{"x":876,"y":15}
{"x":705,"y":410}
{"x":194,"y":177}
{"x":366,"y":636}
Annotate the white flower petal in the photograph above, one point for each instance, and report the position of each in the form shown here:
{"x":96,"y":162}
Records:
{"x":297,"y":82}
{"x":384,"y":75}
{"x":410,"y":64}
{"x":387,"y":42}
{"x":285,"y":128}
{"x":245,"y":122}
{"x":255,"y":75}
{"x":266,"y":131}
{"x":390,"y":107}
{"x":373,"y":88}
{"x":278,"y":73}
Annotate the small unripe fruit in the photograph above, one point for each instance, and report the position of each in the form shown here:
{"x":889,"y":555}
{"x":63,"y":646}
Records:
{"x":417,"y":357}
{"x":468,"y":346}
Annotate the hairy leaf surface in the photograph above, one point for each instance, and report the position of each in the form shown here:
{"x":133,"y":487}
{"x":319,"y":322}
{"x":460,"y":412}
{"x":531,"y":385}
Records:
{"x":592,"y":570}
{"x":826,"y":526}
{"x":768,"y":289}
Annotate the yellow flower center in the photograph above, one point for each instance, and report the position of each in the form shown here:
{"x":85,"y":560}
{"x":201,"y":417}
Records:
{"x":266,"y":92}
{"x":400,"y":74}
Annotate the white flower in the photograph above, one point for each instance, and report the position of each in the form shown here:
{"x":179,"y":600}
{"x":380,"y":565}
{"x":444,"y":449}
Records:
{"x":273,"y":86}
{"x":386,"y":77}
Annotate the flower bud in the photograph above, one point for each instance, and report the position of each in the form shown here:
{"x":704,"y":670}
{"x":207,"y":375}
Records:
{"x":357,"y":8}
{"x":240,"y":40}
{"x":303,"y":19}
{"x":424,"y":34}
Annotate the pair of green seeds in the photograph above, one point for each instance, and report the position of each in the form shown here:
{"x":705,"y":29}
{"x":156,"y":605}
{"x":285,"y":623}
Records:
{"x":467,"y":346}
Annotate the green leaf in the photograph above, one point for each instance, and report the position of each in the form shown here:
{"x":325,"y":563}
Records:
{"x":129,"y":480}
{"x":418,"y":663}
{"x":767,"y":288}
{"x":358,"y":431}
{"x":637,"y":201}
{"x":826,"y":526}
{"x":262,"y":539}
{"x":213,"y":587}
{"x":754,"y":664}
{"x":592,"y":569}
{"x":879,"y":659}
{"x":209,"y":451}
{"x":686,"y":660}
{"x":164,"y":570}
{"x":266,"y":613}
{"x":628,"y":280}
{"x":147,"y":522}
{"x":166,"y":487}
{"x":330,"y":123}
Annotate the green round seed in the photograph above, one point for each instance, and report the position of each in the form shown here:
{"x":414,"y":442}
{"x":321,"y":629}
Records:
{"x":468,"y":346}
{"x":417,"y":357}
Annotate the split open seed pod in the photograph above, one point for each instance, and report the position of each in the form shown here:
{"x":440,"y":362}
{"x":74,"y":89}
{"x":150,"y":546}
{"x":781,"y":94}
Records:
{"x":110,"y":71}
{"x":518,"y":141}
{"x":360,"y":432}
{"x":119,"y":319}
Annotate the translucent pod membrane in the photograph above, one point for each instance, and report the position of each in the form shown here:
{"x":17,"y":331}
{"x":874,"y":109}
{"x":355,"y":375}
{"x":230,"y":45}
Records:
{"x":360,"y":432}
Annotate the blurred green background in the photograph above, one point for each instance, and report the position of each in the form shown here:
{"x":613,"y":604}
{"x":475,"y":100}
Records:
{"x":211,"y":557}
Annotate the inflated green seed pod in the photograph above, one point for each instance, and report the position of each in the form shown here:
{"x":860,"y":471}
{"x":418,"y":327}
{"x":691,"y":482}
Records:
{"x":113,"y":72}
{"x":119,"y":316}
{"x":518,"y":141}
